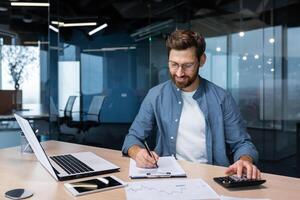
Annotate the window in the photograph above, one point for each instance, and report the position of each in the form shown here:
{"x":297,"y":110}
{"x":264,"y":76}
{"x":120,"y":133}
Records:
{"x":27,"y":59}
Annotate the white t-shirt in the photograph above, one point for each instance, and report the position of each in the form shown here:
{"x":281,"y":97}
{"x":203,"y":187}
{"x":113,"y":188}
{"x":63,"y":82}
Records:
{"x":190,"y":142}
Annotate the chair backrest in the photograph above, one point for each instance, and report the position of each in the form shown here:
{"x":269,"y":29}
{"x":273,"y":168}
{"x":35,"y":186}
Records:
{"x":95,"y":108}
{"x":69,"y":106}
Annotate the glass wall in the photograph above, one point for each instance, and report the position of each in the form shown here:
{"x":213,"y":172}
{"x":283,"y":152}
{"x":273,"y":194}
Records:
{"x":23,"y":69}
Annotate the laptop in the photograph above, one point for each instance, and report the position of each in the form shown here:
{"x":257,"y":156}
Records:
{"x":67,"y":166}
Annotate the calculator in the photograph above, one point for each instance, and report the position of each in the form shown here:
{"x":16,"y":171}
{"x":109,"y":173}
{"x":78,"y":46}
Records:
{"x":234,"y":181}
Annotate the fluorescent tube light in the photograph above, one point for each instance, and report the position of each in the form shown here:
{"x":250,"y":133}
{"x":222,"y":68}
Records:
{"x":53,"y":28}
{"x":98,"y":29}
{"x":109,"y":49}
{"x":3,"y":9}
{"x":32,"y":4}
{"x":57,"y":23}
{"x":35,"y":42}
{"x":63,"y":24}
{"x":79,"y":24}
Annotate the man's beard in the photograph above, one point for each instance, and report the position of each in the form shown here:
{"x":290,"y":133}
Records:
{"x":187,"y":81}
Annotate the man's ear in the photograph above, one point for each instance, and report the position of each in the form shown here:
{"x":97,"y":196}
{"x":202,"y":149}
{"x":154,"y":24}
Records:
{"x":202,"y":59}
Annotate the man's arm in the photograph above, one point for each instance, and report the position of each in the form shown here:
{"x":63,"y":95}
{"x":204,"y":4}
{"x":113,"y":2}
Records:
{"x":140,"y":129}
{"x":242,"y":149}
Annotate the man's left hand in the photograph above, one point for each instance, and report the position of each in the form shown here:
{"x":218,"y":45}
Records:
{"x":244,"y":166}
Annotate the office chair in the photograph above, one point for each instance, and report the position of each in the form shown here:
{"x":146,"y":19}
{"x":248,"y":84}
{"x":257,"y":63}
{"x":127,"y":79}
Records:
{"x":88,"y":119}
{"x":69,"y":108}
{"x":67,"y":119}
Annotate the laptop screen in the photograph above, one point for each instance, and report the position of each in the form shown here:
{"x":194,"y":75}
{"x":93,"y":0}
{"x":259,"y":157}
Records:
{"x":35,"y":145}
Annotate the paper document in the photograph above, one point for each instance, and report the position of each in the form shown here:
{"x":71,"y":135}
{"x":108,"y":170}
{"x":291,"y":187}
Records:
{"x":167,"y":167}
{"x":238,"y":198}
{"x":170,"y":189}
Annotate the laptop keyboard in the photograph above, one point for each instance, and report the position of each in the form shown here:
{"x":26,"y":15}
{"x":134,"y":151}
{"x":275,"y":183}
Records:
{"x":71,"y":164}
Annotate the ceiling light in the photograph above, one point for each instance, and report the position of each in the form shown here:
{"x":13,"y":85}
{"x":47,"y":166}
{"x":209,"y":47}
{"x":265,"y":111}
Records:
{"x":78,"y":24}
{"x":27,"y":19}
{"x":271,"y":40}
{"x":35,"y":42}
{"x":256,"y":56}
{"x":53,"y":28}
{"x":98,"y":29}
{"x":244,"y":58}
{"x":32,"y":4}
{"x":63,"y":24}
{"x":110,"y":49}
{"x":242,"y":34}
{"x":272,"y":70}
{"x":57,"y":23}
{"x":3,"y":9}
{"x":218,"y":49}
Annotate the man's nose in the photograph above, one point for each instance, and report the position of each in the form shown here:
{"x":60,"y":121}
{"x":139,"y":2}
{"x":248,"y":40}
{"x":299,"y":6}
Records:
{"x":179,"y":71}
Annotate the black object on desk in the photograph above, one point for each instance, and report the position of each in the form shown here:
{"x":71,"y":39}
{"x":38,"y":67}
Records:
{"x":18,"y":194}
{"x":234,"y":181}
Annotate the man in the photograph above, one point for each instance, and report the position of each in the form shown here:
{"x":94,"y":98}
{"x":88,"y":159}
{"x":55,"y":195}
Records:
{"x":195,"y":120}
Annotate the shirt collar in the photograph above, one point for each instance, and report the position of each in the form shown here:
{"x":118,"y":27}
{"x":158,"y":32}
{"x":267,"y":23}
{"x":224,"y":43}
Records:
{"x":198,"y":93}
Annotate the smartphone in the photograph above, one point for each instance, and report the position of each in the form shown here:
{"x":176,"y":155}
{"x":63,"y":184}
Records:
{"x":94,"y":185}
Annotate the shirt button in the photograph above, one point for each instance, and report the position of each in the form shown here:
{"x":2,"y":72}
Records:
{"x":176,"y":120}
{"x":172,"y":137}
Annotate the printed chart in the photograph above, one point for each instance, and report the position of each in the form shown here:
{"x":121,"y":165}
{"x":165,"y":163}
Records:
{"x":188,"y":189}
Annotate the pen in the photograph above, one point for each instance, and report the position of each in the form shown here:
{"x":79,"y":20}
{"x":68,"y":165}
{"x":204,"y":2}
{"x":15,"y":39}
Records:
{"x":150,"y":154}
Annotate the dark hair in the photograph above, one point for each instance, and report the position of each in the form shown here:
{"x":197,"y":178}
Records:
{"x":184,"y":39}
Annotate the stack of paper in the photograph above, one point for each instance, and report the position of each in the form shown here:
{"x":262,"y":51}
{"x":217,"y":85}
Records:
{"x":167,"y":167}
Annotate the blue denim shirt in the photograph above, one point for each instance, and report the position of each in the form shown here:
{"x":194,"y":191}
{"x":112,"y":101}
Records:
{"x":226,"y":136}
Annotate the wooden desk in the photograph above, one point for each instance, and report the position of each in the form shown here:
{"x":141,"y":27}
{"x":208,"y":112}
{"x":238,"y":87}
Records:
{"x":24,"y":171}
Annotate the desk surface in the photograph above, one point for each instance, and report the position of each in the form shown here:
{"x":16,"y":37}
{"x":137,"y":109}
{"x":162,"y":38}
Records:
{"x":24,"y":171}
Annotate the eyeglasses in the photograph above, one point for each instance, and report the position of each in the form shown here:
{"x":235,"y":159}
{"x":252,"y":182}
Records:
{"x":185,"y":66}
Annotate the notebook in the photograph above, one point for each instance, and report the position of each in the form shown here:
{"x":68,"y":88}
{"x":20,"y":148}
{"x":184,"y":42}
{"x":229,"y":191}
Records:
{"x":70,"y":165}
{"x":167,"y":167}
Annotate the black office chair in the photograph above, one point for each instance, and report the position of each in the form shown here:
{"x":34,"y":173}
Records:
{"x":67,"y":119}
{"x":88,"y":119}
{"x":69,"y":108}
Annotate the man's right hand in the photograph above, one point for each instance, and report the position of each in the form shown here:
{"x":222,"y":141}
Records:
{"x":142,"y":158}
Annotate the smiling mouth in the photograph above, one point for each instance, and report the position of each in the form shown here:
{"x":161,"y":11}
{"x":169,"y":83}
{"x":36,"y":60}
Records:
{"x":180,"y":79}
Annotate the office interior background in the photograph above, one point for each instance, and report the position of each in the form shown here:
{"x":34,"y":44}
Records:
{"x":47,"y":58}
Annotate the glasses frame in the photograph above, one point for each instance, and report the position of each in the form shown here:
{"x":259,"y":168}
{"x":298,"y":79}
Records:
{"x":184,"y":66}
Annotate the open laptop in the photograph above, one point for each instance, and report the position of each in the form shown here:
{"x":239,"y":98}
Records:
{"x":68,"y":166}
